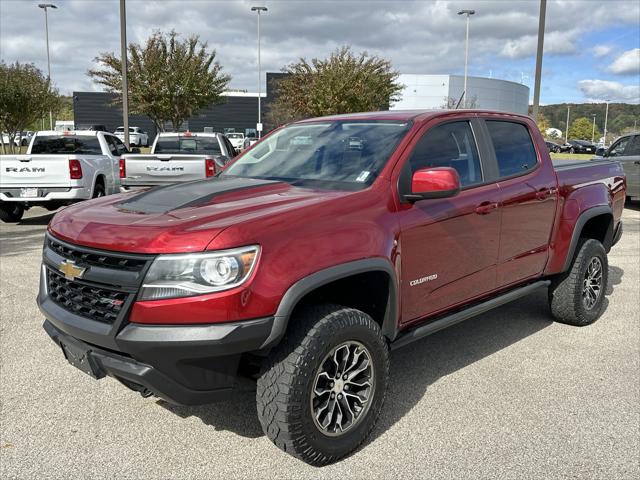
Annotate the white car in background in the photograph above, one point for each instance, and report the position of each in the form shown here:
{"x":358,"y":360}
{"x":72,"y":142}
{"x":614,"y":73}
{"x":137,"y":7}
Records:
{"x":137,"y":136}
{"x":236,"y":139}
{"x":21,"y":138}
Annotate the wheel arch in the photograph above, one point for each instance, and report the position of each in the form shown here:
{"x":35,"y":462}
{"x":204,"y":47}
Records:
{"x":306,"y":287}
{"x":596,"y":223}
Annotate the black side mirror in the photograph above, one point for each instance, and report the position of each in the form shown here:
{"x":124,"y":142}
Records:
{"x":134,"y":150}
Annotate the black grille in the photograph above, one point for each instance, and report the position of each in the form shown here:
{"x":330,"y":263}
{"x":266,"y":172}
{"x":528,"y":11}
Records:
{"x":100,"y":304}
{"x":97,"y":259}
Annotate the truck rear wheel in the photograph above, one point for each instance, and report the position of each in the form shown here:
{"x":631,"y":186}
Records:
{"x":11,"y":212}
{"x":577,"y":296}
{"x":98,"y":190}
{"x":322,"y":389}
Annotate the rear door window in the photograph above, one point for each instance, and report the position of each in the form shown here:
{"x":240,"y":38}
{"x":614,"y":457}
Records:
{"x":448,"y":145}
{"x":65,"y":144}
{"x":618,"y":148}
{"x":514,"y":148}
{"x":121,"y":149}
{"x":188,"y":145}
{"x":633,"y":148}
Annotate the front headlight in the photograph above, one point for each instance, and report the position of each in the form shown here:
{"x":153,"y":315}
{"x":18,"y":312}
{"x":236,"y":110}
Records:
{"x":185,"y":275}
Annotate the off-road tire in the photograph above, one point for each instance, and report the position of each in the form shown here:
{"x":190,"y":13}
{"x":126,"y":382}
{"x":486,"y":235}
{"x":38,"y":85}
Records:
{"x":11,"y":212}
{"x":566,"y":291}
{"x":284,"y":387}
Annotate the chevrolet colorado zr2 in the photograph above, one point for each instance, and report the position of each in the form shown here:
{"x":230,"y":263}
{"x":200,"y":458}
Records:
{"x":317,"y":251}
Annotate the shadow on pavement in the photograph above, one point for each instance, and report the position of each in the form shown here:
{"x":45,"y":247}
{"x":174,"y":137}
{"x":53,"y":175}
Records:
{"x":39,"y":220}
{"x":26,"y":235}
{"x":415,"y":367}
{"x":18,"y":242}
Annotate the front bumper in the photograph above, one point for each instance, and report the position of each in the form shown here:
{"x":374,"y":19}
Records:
{"x":185,"y":364}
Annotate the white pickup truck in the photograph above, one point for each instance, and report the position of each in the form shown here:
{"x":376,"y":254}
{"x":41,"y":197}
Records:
{"x":58,"y":169}
{"x":176,"y":157}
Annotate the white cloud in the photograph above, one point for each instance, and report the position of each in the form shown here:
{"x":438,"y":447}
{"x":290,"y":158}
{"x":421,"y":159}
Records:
{"x":600,"y":51}
{"x":417,"y":36}
{"x":559,"y":43}
{"x":600,"y":90}
{"x":628,"y":63}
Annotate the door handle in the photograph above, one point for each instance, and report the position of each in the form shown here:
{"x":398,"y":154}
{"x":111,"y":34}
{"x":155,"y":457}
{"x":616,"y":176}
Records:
{"x":543,"y":193}
{"x":485,"y":208}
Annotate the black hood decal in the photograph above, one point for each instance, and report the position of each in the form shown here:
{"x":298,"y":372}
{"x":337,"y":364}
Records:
{"x":188,"y":194}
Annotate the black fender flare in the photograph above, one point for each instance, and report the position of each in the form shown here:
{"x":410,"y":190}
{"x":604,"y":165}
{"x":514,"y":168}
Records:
{"x":577,"y":230}
{"x":323,"y":277}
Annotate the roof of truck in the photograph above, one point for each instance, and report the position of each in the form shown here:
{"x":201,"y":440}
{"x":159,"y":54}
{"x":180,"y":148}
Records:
{"x":88,"y":133}
{"x":406,"y":115}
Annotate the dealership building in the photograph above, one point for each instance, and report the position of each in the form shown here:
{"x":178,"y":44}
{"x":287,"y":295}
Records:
{"x":445,"y":91}
{"x":238,"y":110}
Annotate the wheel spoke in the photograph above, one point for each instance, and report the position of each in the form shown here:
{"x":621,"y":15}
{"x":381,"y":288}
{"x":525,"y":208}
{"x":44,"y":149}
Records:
{"x":356,"y":355}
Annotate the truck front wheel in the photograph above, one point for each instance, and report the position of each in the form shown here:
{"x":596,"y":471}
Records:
{"x":577,"y":296}
{"x":11,"y":212}
{"x":322,"y":389}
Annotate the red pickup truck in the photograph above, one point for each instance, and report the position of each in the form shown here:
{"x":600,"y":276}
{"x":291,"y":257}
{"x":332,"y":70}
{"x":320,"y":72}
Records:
{"x":315,"y":252}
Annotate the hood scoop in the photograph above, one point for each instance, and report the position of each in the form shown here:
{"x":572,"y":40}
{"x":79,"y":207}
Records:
{"x":188,"y":194}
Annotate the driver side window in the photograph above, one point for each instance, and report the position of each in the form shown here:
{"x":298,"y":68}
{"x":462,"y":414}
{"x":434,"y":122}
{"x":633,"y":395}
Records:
{"x":449,"y":145}
{"x":617,"y":149}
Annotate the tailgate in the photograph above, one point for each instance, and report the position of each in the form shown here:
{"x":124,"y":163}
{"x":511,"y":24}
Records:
{"x":34,"y":170}
{"x":160,"y":169}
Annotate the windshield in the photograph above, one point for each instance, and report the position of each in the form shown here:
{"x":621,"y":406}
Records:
{"x":66,"y":144}
{"x":188,"y":145}
{"x":235,"y":135}
{"x":345,"y":155}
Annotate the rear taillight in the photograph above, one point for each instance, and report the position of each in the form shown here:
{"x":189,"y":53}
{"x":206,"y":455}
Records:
{"x":209,"y":167}
{"x":75,"y":169}
{"x":123,"y":169}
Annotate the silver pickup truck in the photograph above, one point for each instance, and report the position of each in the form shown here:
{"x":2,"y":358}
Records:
{"x":626,"y":151}
{"x":176,"y":157}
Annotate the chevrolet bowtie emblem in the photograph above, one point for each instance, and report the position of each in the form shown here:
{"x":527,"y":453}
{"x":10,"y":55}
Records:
{"x":71,"y":270}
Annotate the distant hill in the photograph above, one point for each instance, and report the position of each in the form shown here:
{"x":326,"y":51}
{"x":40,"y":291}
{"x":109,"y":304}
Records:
{"x":621,"y":115}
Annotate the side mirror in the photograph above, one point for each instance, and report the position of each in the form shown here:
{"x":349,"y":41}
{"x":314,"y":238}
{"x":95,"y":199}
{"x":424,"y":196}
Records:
{"x":437,"y":182}
{"x":134,"y":150}
{"x":601,"y":152}
{"x":221,"y":160}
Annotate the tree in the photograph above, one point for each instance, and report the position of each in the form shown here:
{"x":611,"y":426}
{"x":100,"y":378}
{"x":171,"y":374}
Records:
{"x":543,"y":124}
{"x":25,"y":96}
{"x":581,"y":129}
{"x":169,"y":79}
{"x":342,"y":83}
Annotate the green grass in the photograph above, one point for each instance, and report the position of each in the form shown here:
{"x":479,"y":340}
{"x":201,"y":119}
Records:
{"x":571,"y":156}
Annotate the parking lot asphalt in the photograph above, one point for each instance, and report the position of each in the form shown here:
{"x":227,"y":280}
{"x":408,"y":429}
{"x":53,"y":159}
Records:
{"x":509,"y":394}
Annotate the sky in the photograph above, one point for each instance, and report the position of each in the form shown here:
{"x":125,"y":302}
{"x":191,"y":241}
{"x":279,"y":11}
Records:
{"x":592,"y":47}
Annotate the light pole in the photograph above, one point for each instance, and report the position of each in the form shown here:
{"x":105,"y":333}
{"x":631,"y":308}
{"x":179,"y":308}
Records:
{"x":123,"y":61}
{"x":45,"y":6}
{"x":566,"y":132}
{"x":259,"y":125}
{"x":468,"y":13}
{"x":606,"y":117}
{"x":536,"y":86}
{"x":593,"y":129}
